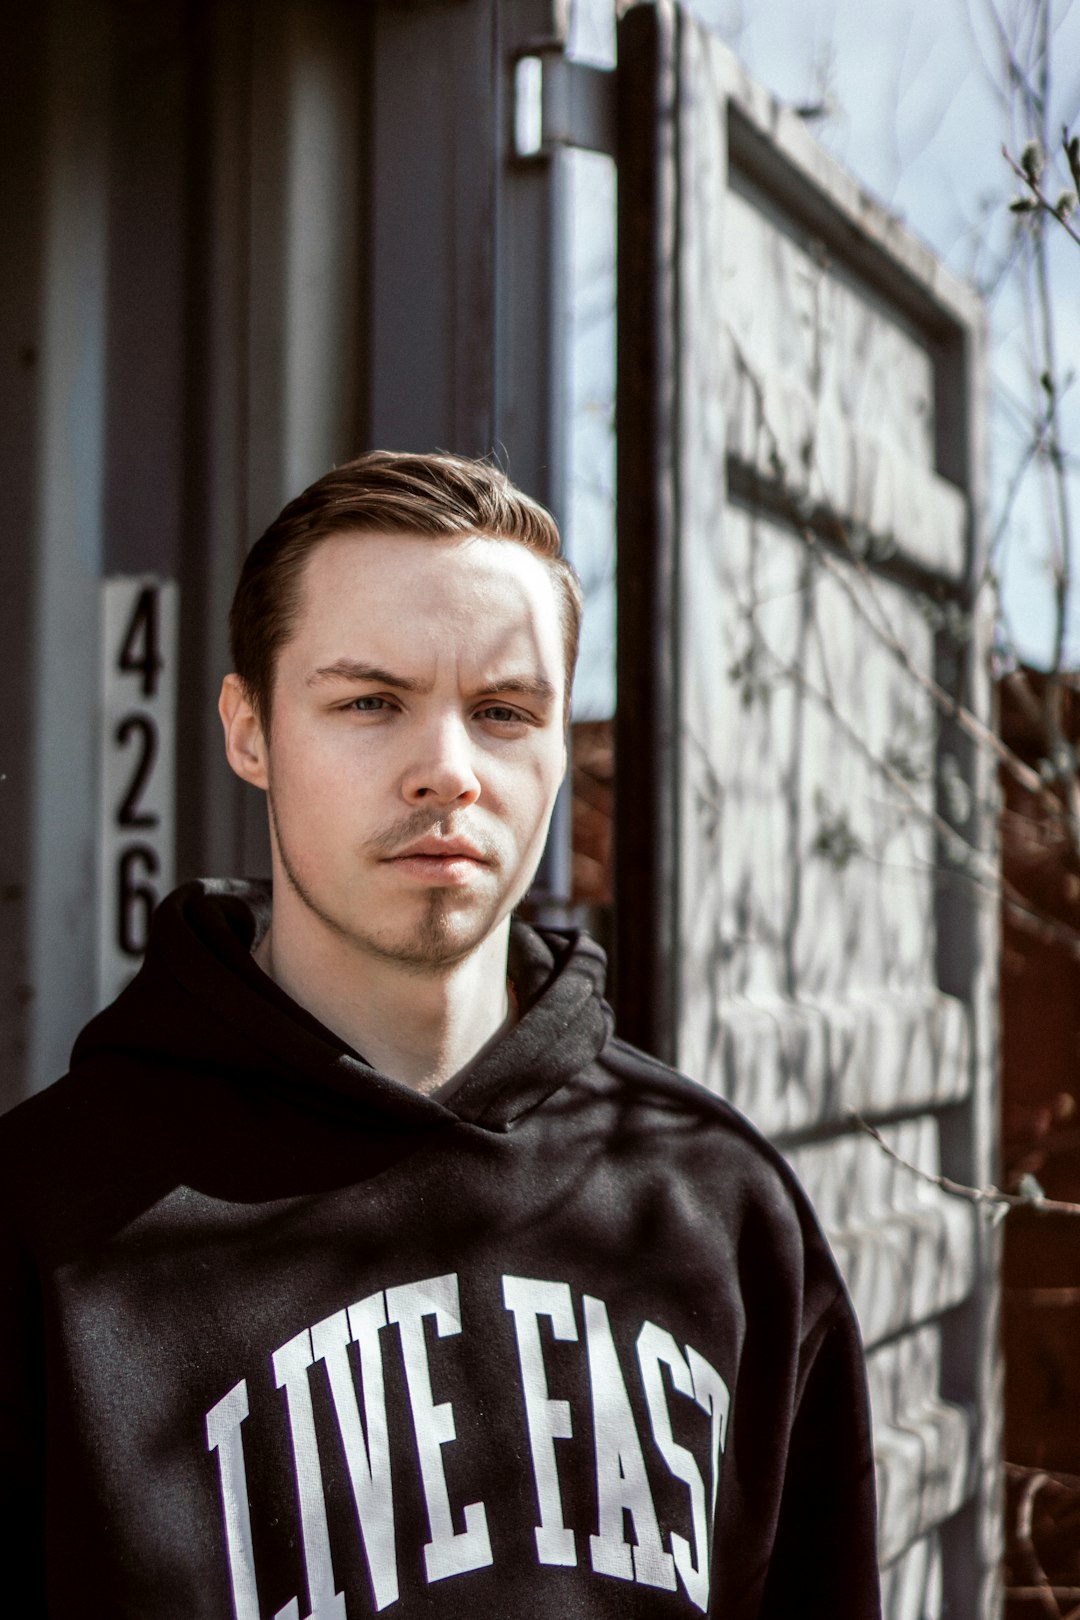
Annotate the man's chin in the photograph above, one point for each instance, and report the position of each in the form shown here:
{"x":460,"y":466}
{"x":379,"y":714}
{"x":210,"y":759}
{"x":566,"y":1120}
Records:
{"x":439,"y":937}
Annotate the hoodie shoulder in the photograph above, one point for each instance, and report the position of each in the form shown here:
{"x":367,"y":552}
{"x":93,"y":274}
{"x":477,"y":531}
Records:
{"x":708,"y":1141}
{"x":674,"y":1094}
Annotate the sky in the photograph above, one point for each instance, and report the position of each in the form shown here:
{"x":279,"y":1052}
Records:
{"x":912,"y":92}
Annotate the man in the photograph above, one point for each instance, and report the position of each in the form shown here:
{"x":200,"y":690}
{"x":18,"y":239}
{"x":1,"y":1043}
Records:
{"x":356,"y":1265}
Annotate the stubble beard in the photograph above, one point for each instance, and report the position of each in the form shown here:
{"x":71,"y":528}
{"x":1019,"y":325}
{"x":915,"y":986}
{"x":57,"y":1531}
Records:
{"x":431,"y":946}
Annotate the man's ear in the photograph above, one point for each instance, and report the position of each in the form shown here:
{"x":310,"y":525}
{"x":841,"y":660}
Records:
{"x":245,"y":745}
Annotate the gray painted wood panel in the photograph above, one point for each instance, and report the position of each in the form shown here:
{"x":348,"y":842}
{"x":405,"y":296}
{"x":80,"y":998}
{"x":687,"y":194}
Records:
{"x":829,"y":947}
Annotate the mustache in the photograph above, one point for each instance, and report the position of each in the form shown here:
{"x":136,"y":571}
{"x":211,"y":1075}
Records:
{"x":419,"y":823}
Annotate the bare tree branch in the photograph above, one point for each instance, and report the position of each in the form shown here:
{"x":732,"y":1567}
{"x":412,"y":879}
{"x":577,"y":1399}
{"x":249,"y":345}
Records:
{"x":985,"y":1197}
{"x":1039,"y":197}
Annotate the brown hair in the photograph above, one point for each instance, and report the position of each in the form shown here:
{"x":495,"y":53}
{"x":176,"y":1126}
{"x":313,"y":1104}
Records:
{"x":384,"y":492}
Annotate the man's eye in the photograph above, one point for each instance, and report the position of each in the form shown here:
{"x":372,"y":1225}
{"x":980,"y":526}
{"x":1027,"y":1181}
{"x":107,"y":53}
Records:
{"x":367,"y":705}
{"x":502,"y":714}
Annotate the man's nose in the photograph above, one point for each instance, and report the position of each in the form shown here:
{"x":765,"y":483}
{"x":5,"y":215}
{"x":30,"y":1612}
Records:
{"x":442,"y":767}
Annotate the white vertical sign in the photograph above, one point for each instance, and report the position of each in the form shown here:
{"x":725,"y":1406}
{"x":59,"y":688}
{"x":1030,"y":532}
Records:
{"x":137,"y":813}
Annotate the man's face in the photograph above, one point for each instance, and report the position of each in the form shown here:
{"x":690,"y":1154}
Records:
{"x":416,"y":742}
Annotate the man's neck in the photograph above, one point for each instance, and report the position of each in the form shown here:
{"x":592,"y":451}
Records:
{"x":418,"y":1027}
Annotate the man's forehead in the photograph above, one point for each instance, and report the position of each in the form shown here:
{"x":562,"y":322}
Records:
{"x":421,"y":573}
{"x":416,"y":552}
{"x":398,"y":600}
{"x":418,"y":558}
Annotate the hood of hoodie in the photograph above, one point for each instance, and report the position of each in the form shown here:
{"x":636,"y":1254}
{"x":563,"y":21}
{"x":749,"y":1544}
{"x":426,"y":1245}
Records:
{"x":201,"y":1001}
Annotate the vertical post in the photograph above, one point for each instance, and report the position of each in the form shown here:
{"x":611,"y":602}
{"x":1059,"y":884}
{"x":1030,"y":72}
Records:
{"x":647,"y":496}
{"x":968,"y":945}
{"x":530,"y":379}
{"x":68,"y":535}
{"x":531,"y":247}
{"x":214,"y":810}
{"x":23,"y":53}
{"x":433,"y":226}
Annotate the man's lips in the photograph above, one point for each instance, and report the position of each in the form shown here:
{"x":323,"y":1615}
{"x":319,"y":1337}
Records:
{"x":436,"y":849}
{"x":443,"y":862}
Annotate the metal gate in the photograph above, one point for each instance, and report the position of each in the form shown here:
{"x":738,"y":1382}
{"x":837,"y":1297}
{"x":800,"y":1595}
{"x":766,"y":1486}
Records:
{"x":804,"y":827}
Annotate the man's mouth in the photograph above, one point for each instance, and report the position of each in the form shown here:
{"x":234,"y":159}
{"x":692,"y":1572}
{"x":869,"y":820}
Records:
{"x":445,"y":862}
{"x":440,"y":849}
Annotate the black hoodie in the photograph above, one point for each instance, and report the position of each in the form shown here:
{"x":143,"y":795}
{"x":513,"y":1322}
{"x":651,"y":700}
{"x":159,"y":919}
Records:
{"x":283,"y":1338}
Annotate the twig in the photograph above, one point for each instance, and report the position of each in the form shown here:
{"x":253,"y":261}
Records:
{"x":1056,"y":1480}
{"x":878,"y":622}
{"x":1037,"y":923}
{"x":984,"y":1196}
{"x":1039,"y":195}
{"x":1042,"y":1481}
{"x":1065,"y":814}
{"x":1026,"y":1545}
{"x":1022,"y":773}
{"x":967,"y":855}
{"x":1060,"y":1593}
{"x":981,"y":734}
{"x":989,"y":880}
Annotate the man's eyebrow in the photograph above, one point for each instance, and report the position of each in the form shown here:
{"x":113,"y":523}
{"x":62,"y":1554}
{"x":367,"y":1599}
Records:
{"x":534,"y":686}
{"x":348,"y":669}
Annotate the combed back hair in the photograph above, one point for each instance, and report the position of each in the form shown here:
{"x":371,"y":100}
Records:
{"x":384,"y":492}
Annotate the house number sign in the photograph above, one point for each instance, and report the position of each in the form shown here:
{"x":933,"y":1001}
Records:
{"x":137,"y":836}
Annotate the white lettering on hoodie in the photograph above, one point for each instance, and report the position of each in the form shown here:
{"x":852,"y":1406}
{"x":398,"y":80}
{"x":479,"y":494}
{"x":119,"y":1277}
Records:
{"x":658,"y":1556}
{"x":449,"y":1552}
